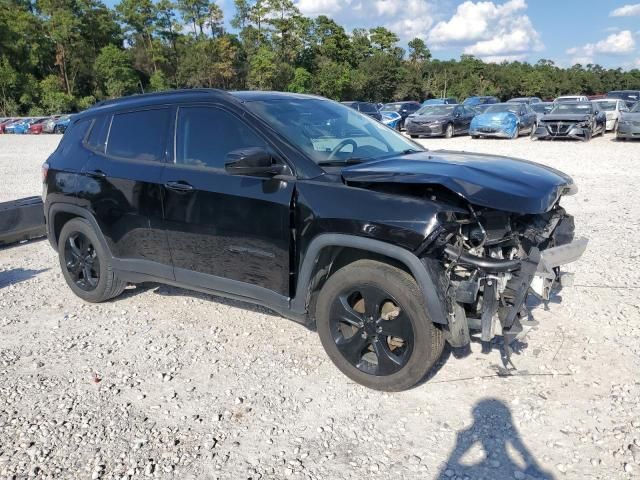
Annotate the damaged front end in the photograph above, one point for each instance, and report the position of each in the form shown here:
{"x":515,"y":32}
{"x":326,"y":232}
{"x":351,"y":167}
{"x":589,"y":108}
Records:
{"x":493,"y":260}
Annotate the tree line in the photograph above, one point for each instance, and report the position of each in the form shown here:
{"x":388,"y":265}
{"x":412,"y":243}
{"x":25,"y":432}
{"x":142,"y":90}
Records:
{"x":64,"y":55}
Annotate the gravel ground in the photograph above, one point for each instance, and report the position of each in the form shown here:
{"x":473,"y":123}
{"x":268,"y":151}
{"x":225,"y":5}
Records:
{"x":167,"y":383}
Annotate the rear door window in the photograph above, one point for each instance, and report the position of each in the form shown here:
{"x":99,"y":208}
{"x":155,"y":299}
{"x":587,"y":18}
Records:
{"x":139,"y":135}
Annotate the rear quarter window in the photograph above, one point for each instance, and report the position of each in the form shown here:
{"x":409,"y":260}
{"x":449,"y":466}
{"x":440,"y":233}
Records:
{"x":97,"y":138}
{"x":74,"y":135}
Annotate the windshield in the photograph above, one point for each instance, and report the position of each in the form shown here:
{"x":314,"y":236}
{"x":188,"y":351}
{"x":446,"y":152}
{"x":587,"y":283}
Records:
{"x":329,"y":132}
{"x":503,"y":107}
{"x":368,"y":108}
{"x":392,"y":107}
{"x":572,"y":108}
{"x":567,"y":99}
{"x":436,"y":110}
{"x":628,"y":96}
{"x":607,"y":106}
{"x":540,"y":107}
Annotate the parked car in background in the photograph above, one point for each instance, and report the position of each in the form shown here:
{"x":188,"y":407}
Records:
{"x":19,"y":127}
{"x":391,"y":119}
{"x":574,"y":120}
{"x":440,"y":121}
{"x":504,"y":120}
{"x":440,"y":101}
{"x":527,"y":100}
{"x":403,"y":108}
{"x":474,"y":101}
{"x":612,"y":108}
{"x":571,"y":98}
{"x":631,"y":97}
{"x":541,"y":108}
{"x":480,"y":108}
{"x":35,"y":128}
{"x":50,"y":123}
{"x":365,"y":107}
{"x":61,"y":124}
{"x":629,"y":126}
{"x":6,"y":122}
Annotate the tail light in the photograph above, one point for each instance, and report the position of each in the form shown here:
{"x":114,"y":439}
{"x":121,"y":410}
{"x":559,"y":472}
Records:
{"x":45,"y":171}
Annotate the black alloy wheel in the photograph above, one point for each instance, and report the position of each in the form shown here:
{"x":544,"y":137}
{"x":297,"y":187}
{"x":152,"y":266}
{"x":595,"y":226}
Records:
{"x":371,"y":330}
{"x":82,"y":262}
{"x":373,"y":324}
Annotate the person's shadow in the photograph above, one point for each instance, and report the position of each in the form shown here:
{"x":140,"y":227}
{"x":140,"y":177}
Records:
{"x":493,"y":430}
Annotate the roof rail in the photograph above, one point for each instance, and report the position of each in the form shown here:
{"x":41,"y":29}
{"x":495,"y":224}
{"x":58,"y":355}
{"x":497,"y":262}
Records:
{"x":139,"y":96}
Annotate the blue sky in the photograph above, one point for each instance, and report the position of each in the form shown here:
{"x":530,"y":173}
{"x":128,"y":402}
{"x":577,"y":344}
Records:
{"x":566,"y":31}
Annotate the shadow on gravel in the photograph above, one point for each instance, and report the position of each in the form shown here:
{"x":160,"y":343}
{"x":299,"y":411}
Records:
{"x":17,"y":275}
{"x":493,"y":430}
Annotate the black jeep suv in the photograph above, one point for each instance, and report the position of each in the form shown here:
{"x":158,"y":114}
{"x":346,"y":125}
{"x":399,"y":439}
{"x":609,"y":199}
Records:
{"x":313,"y":209}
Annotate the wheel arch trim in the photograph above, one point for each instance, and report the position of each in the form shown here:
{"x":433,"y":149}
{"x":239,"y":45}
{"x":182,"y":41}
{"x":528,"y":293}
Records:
{"x":61,"y":207}
{"x":427,"y":285}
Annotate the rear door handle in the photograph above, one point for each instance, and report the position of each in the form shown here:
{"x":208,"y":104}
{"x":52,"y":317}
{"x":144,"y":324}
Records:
{"x":96,"y":174}
{"x":180,"y":186}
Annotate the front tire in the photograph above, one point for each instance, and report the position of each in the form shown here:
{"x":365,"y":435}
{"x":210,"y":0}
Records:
{"x":86,"y":265}
{"x":448,"y":133}
{"x":373,"y":324}
{"x":516,"y":132}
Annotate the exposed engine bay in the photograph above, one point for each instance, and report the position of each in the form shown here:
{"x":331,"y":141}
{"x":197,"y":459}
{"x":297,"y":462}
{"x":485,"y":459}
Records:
{"x":494,"y":259}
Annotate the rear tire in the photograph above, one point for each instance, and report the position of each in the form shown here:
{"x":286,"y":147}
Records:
{"x":373,"y":324}
{"x":414,"y":136}
{"x":86,"y":265}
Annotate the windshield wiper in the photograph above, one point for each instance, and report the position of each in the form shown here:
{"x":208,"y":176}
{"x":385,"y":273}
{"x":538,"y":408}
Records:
{"x":348,"y":161}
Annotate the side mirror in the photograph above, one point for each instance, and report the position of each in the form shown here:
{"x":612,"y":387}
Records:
{"x":254,"y":161}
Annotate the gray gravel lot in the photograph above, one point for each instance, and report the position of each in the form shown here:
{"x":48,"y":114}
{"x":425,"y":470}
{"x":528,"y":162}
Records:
{"x":166,"y":383}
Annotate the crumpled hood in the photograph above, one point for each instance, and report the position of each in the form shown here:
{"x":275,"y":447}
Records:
{"x":496,"y":182}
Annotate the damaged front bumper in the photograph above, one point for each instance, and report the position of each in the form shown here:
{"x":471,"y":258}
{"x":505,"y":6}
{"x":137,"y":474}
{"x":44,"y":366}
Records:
{"x":505,"y":286}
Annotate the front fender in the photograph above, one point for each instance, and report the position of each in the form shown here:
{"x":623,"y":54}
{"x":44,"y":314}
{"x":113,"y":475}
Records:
{"x":433,"y":297}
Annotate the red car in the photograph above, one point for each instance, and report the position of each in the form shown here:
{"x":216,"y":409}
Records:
{"x":5,"y":123}
{"x":36,"y":127}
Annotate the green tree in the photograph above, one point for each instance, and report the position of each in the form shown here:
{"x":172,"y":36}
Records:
{"x":114,"y":73}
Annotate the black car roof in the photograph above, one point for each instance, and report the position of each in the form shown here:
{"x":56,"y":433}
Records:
{"x":194,"y":94}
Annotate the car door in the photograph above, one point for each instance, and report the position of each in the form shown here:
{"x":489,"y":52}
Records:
{"x":467,"y":116}
{"x":120,"y":185}
{"x":458,"y":119}
{"x":226,"y":232}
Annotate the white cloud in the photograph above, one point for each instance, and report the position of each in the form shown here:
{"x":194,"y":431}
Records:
{"x":621,"y":43}
{"x":322,"y":7}
{"x":407,"y":18}
{"x":626,"y":11}
{"x":494,"y":32}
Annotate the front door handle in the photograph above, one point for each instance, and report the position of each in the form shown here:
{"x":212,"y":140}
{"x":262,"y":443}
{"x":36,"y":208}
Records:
{"x":96,"y":174}
{"x":180,"y":186}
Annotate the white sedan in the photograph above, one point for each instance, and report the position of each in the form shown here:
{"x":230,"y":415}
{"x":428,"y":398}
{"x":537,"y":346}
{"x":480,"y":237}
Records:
{"x":612,"y":107}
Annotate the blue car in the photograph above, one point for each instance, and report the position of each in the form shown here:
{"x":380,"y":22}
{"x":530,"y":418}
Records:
{"x":474,"y":101}
{"x":391,"y":119}
{"x":504,"y":120}
{"x":62,"y":123}
{"x":19,"y":127}
{"x":440,"y":101}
